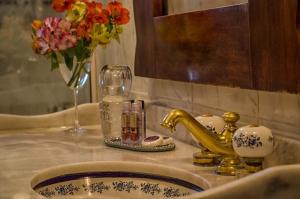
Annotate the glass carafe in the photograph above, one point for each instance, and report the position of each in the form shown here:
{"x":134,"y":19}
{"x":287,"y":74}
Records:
{"x":115,"y":83}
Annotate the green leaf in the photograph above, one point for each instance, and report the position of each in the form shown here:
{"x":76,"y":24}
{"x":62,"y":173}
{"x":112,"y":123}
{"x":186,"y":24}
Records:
{"x":81,"y":50}
{"x":110,"y":24}
{"x":54,"y":61}
{"x":68,"y":59}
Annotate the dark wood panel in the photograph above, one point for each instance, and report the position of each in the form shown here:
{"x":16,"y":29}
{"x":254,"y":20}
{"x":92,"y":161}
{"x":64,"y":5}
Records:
{"x":160,"y":7}
{"x":144,"y":56}
{"x":298,"y":44}
{"x":274,"y":50}
{"x":255,"y":45}
{"x":209,"y":47}
{"x":298,"y":14}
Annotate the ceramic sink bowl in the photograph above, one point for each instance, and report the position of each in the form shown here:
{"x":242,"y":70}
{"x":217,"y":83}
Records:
{"x":116,"y":180}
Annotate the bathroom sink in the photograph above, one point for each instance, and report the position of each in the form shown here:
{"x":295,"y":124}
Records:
{"x":117,"y":180}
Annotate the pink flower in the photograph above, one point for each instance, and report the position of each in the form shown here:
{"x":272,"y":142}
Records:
{"x":40,"y":46}
{"x":55,"y":34}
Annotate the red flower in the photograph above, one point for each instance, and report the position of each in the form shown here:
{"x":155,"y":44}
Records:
{"x":62,"y":5}
{"x":119,"y":14}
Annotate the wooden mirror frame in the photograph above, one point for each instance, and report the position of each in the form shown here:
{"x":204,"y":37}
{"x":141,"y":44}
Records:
{"x":254,"y":45}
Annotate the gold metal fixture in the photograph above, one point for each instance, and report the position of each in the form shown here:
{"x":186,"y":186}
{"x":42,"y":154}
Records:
{"x":204,"y":157}
{"x":207,"y":115}
{"x":253,"y":165}
{"x":203,"y":136}
{"x":230,"y":119}
{"x":229,"y":166}
{"x":230,"y":163}
{"x":218,"y":149}
{"x":218,"y":146}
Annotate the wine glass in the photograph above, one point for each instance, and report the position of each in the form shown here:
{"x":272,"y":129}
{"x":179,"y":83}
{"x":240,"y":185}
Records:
{"x":75,"y":79}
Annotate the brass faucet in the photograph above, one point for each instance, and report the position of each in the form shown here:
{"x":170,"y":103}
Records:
{"x":203,"y":136}
{"x":220,"y":145}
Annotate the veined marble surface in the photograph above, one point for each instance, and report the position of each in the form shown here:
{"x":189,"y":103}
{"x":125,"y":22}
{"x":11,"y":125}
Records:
{"x":36,"y":146}
{"x":26,"y":152}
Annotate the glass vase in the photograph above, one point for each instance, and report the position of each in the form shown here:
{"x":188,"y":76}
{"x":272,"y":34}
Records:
{"x":75,"y":78}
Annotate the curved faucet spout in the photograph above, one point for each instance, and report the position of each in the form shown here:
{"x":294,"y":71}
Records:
{"x":204,"y":136}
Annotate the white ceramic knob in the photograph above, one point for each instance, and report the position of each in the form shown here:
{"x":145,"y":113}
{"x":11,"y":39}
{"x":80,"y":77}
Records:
{"x":253,"y":141}
{"x":213,"y":123}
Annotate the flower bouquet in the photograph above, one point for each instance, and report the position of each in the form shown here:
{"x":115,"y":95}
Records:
{"x":69,"y":42}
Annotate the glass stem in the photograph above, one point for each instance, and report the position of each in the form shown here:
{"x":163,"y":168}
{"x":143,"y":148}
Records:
{"x":76,"y":123}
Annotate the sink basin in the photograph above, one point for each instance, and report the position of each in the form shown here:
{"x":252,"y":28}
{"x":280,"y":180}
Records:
{"x":117,"y":180}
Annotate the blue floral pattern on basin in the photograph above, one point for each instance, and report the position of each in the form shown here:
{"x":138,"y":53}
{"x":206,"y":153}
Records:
{"x":170,"y":192}
{"x":150,"y":188}
{"x":69,"y":189}
{"x":251,"y":141}
{"x":98,"y":183}
{"x":119,"y":186}
{"x":47,"y":193}
{"x":124,"y":186}
{"x":96,"y":187}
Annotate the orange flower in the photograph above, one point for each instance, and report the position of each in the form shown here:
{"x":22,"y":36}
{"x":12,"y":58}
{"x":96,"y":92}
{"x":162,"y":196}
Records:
{"x":119,"y":14}
{"x":94,"y":7}
{"x":62,"y":5}
{"x":35,"y":46}
{"x":96,"y":14}
{"x":36,"y":24}
{"x":83,"y":30}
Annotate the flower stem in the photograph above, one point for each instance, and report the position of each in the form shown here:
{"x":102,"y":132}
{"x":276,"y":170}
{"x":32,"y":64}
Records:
{"x":76,"y":75}
{"x":76,"y":123}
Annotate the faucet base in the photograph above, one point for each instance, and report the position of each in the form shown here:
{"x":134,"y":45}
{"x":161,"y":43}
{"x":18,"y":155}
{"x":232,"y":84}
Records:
{"x":253,"y":165}
{"x":206,"y":158}
{"x":229,"y":166}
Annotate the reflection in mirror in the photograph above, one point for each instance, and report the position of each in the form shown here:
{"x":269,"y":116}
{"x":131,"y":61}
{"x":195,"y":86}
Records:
{"x":27,"y":86}
{"x":183,"y":6}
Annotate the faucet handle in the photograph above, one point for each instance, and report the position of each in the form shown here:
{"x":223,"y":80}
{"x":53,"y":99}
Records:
{"x":231,"y":117}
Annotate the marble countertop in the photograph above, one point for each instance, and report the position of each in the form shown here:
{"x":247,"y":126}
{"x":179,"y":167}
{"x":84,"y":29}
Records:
{"x":30,"y":144}
{"x":26,"y":152}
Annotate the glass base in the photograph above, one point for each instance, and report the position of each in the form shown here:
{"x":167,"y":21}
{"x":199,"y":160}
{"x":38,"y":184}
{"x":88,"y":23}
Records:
{"x":75,"y":131}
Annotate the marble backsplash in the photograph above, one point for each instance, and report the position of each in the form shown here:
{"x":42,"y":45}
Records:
{"x":285,"y":147}
{"x":276,"y":110}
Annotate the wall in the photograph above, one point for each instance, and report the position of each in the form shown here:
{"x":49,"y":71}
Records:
{"x":278,"y":111}
{"x":27,"y":86}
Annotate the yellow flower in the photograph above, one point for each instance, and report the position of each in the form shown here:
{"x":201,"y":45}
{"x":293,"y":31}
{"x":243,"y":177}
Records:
{"x":104,"y":37}
{"x":100,"y":35}
{"x":77,"y":12}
